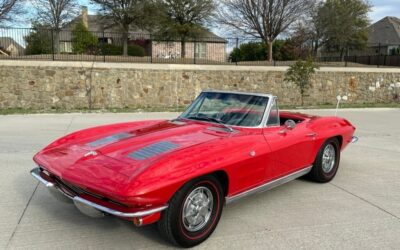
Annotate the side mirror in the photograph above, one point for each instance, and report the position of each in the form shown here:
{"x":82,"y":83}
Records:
{"x":290,"y":124}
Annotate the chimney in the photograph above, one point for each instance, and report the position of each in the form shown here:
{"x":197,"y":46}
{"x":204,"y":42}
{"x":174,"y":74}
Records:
{"x":85,"y":16}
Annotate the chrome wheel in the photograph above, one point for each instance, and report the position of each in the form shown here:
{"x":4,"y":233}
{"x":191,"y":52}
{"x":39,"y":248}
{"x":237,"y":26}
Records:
{"x":328,"y":158}
{"x":197,"y":209}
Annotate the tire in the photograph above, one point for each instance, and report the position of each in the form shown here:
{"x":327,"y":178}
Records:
{"x":325,"y":171}
{"x":175,"y":228}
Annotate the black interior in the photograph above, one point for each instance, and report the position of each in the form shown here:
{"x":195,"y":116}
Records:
{"x":241,"y":119}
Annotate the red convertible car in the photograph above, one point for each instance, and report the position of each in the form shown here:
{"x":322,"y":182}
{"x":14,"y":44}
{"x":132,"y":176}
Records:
{"x":180,"y":173}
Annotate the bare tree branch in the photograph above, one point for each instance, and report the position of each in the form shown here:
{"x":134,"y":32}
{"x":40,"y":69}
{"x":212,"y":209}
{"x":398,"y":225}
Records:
{"x":265,"y":19}
{"x":55,"y":13}
{"x":186,"y":19}
{"x":10,"y":10}
{"x":125,"y":13}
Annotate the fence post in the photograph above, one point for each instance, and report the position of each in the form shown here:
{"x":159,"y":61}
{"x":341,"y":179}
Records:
{"x":384,"y":60}
{"x":52,"y":43}
{"x":151,"y":49}
{"x":194,"y":51}
{"x":379,"y":55}
{"x":104,"y":52}
{"x":237,"y":46}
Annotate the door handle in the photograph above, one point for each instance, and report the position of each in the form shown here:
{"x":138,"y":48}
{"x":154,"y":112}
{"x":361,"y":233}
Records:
{"x":311,"y":135}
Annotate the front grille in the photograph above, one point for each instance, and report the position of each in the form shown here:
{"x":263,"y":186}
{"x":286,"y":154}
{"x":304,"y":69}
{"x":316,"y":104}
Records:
{"x":73,"y":190}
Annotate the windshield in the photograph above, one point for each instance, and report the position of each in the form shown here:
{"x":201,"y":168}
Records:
{"x":228,"y":108}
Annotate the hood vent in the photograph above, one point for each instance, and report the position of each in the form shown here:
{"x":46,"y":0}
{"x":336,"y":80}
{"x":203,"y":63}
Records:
{"x":153,"y":150}
{"x":109,"y":139}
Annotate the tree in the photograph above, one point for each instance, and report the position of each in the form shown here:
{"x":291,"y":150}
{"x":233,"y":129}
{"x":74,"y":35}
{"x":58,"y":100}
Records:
{"x":55,"y":13}
{"x":343,"y":24}
{"x":9,"y":10}
{"x":125,"y":13}
{"x":39,"y":41}
{"x":186,"y":19}
{"x":300,"y":74}
{"x":265,"y":19}
{"x":82,"y":39}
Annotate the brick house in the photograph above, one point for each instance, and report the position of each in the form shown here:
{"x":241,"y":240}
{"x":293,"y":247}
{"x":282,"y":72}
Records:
{"x":209,"y":46}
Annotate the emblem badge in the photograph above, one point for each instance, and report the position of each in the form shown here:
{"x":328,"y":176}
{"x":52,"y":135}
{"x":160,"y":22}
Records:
{"x":91,"y":153}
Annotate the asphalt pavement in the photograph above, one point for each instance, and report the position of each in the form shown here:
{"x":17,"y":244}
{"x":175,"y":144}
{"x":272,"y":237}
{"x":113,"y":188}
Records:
{"x":359,"y":209}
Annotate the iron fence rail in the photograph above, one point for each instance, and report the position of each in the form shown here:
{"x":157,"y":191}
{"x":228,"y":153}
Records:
{"x":108,"y":46}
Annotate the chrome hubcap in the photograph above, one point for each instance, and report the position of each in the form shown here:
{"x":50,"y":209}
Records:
{"x":328,"y":158}
{"x":197,"y":209}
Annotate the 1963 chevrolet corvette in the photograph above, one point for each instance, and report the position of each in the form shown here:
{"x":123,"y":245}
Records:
{"x":180,"y":173}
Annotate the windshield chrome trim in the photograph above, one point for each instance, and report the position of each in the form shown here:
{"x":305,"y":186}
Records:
{"x":263,"y":123}
{"x":238,"y":92}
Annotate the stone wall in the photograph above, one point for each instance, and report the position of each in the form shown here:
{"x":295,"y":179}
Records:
{"x":73,"y":85}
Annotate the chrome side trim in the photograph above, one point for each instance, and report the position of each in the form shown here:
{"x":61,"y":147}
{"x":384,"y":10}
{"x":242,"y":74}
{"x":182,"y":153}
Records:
{"x":118,"y":213}
{"x":269,"y":185}
{"x":53,"y":188}
{"x":354,"y":139}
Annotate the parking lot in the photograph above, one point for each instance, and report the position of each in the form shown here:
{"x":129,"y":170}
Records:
{"x":359,"y":209}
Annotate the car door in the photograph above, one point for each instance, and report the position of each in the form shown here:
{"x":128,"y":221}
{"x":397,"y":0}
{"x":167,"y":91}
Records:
{"x":291,"y":149}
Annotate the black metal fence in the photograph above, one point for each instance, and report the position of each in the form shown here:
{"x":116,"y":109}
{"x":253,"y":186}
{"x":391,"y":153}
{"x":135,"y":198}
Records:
{"x":109,"y":46}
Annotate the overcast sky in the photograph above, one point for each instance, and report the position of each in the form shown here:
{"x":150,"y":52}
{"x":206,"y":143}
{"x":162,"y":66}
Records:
{"x":383,"y":8}
{"x":380,"y":9}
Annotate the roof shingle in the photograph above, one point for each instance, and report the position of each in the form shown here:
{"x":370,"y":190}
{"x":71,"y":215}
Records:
{"x":386,"y":31}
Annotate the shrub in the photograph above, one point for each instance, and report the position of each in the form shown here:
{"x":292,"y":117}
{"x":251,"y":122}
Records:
{"x":257,"y":51}
{"x":252,"y":51}
{"x":136,"y":50}
{"x":83,"y":41}
{"x":300,"y":74}
{"x":39,"y":40}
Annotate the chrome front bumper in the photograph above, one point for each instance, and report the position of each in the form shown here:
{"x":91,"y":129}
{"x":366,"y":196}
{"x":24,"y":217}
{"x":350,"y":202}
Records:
{"x":354,"y":139}
{"x":88,"y":207}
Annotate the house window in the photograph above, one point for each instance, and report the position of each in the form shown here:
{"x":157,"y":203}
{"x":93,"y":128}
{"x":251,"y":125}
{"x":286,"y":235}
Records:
{"x":105,"y":40}
{"x":65,"y":47}
{"x":200,"y":50}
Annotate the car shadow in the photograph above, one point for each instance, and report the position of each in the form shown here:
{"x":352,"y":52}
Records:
{"x":43,"y":205}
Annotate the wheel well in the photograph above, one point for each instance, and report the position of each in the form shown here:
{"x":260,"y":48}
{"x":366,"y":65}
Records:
{"x":340,"y":139}
{"x":223,"y":178}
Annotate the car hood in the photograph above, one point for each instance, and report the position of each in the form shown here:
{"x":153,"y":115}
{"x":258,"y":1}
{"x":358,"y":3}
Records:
{"x":122,"y":152}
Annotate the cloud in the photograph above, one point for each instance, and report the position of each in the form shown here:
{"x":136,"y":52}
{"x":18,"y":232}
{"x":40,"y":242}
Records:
{"x":383,"y":8}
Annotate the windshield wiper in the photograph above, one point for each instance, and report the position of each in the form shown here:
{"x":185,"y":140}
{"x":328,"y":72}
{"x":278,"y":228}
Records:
{"x":211,"y":119}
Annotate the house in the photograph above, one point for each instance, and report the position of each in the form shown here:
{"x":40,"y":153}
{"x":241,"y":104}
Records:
{"x":8,"y":46}
{"x":385,"y":35}
{"x":383,"y":39}
{"x":210,"y":46}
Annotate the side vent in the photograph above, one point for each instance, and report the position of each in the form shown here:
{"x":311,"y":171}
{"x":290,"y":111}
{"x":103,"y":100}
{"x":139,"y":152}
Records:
{"x":153,"y":150}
